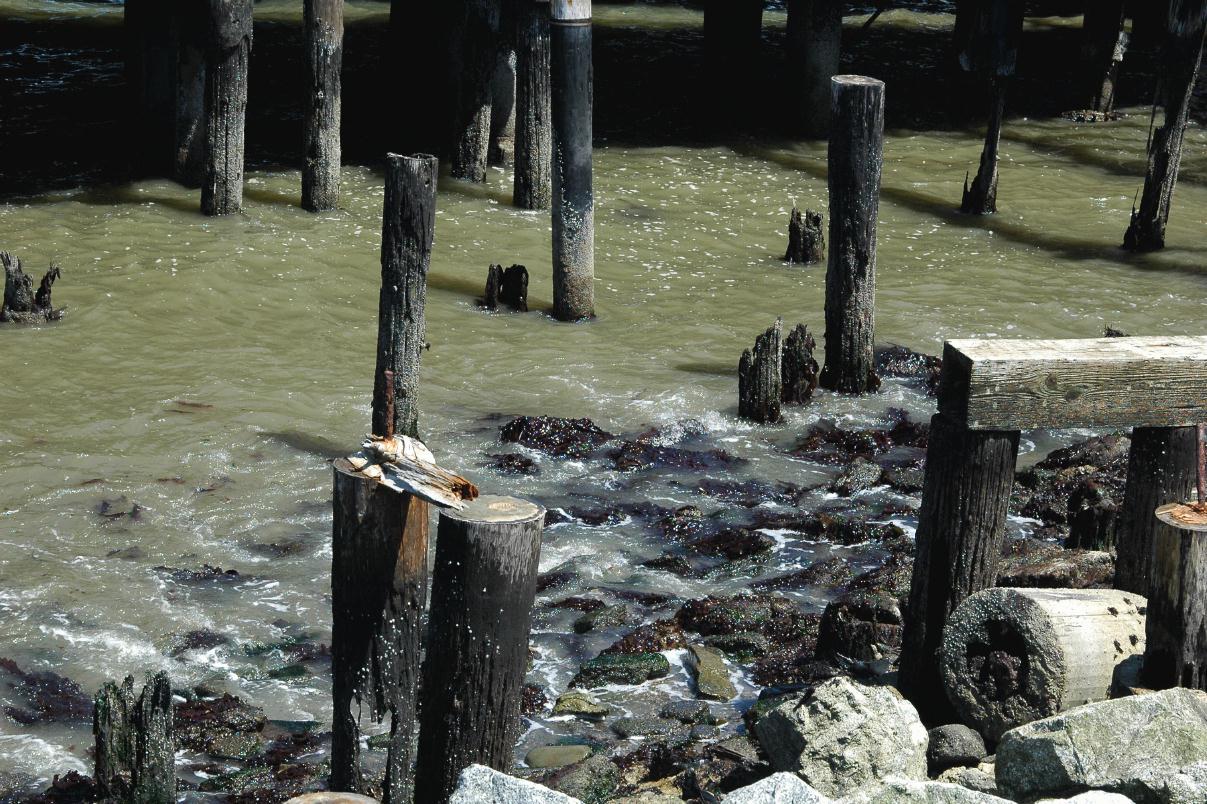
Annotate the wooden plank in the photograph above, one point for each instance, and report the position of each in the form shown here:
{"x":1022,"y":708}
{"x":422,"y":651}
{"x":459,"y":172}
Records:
{"x":1099,"y":382}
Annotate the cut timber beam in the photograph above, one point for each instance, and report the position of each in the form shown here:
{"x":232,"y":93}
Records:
{"x":1102,"y":382}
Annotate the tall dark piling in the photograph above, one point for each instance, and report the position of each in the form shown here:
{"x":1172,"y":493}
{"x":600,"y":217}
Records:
{"x":135,"y":748}
{"x":1102,"y":52}
{"x":814,"y":47}
{"x":380,"y":536}
{"x":1160,"y":470}
{"x":961,"y":527}
{"x":1180,"y":68}
{"x":1175,"y":645}
{"x":502,"y":109}
{"x":991,"y":50}
{"x":856,"y":159}
{"x":573,"y":195}
{"x":483,"y":586}
{"x":189,"y":140}
{"x":760,"y":377}
{"x":324,"y":44}
{"x":226,"y":72}
{"x":474,"y":36}
{"x":151,"y":75}
{"x":533,"y":123}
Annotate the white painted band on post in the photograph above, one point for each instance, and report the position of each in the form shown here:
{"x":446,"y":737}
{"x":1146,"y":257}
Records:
{"x":570,"y":10}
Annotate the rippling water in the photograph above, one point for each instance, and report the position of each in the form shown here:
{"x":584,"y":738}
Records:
{"x":207,"y":369}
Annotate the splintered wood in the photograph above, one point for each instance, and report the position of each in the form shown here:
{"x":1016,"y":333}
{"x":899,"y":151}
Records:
{"x":405,"y":464}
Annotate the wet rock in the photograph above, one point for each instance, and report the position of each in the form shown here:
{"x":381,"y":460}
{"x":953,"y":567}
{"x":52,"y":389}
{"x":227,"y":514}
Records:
{"x":775,"y":617}
{"x":1091,"y":516}
{"x":1104,"y":745}
{"x":859,"y":475}
{"x":778,"y":788}
{"x":49,"y":697}
{"x":974,"y":779}
{"x":511,"y":463}
{"x":733,"y":544}
{"x":861,"y":625}
{"x":827,"y":443}
{"x":702,"y":732}
{"x":559,"y":438}
{"x":711,"y":673}
{"x":743,"y":645}
{"x":607,"y":617}
{"x":1107,"y":452}
{"x":1096,"y":467}
{"x":654,"y":600}
{"x":688,"y":712}
{"x":829,"y":573}
{"x":592,"y":781}
{"x":651,"y":638}
{"x":682,"y":524}
{"x":794,"y":663}
{"x":224,"y":727}
{"x":584,"y":604}
{"x":893,"y":577}
{"x":532,"y":700}
{"x":621,"y":668}
{"x":905,"y":479}
{"x":70,"y":788}
{"x":479,"y":784}
{"x":197,"y":640}
{"x":331,"y":798}
{"x":727,"y":765}
{"x":751,"y":493}
{"x":555,"y":579}
{"x":579,"y":704}
{"x":830,"y":527}
{"x":954,"y":745}
{"x":1036,"y":564}
{"x":207,"y":574}
{"x":119,"y":508}
{"x":556,"y":756}
{"x":654,"y":762}
{"x":842,"y":737}
{"x":634,"y":455}
{"x":629,"y":727}
{"x":677,"y":564}
{"x":893,"y":360}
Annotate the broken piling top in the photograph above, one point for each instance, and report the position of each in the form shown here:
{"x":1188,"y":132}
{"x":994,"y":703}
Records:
{"x":1192,"y":518}
{"x":570,"y":10}
{"x":1014,"y":384}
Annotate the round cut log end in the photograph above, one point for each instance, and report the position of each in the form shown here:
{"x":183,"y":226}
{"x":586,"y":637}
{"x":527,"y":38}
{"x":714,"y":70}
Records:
{"x":1185,"y":516}
{"x":497,"y":509}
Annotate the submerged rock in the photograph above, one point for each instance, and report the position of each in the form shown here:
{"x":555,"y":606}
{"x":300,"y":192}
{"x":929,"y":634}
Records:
{"x":711,"y":673}
{"x":559,"y":438}
{"x":842,"y":737}
{"x":579,"y":704}
{"x":688,"y":712}
{"x":223,"y":727}
{"x":556,"y":756}
{"x":50,"y":697}
{"x":650,"y":638}
{"x":1032,"y":563}
{"x":633,"y":455}
{"x":602,"y":618}
{"x":621,"y":668}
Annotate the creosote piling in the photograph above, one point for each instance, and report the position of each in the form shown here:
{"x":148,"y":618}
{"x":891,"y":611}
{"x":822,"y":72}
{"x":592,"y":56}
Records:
{"x":228,"y":54}
{"x":324,"y":44}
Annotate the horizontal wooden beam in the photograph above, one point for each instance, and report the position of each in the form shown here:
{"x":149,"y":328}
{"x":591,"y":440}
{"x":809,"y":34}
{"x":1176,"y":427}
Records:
{"x":1099,"y":382}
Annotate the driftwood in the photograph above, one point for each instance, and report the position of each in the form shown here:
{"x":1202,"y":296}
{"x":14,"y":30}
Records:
{"x":404,"y":464}
{"x":21,"y":303}
{"x":806,"y":239}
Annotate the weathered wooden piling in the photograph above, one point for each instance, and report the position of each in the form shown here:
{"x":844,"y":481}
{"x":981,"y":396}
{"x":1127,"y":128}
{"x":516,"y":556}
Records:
{"x":856,"y":158}
{"x":991,"y":51}
{"x":573,"y":195}
{"x":1175,"y":654}
{"x":814,"y":47}
{"x":189,"y":140}
{"x":228,"y":53}
{"x":407,"y":229}
{"x":533,"y":127}
{"x":1102,"y":52}
{"x":380,"y":536}
{"x":961,"y":527}
{"x":806,"y":239}
{"x":1180,"y":67}
{"x":799,"y":369}
{"x":483,"y":586}
{"x":502,"y":110}
{"x":760,"y":377}
{"x":508,"y":287}
{"x":474,"y":36}
{"x":1160,"y":470}
{"x":135,"y":745}
{"x":324,"y":44}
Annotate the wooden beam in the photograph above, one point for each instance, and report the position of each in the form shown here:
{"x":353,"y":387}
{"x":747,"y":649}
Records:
{"x":1100,"y":382}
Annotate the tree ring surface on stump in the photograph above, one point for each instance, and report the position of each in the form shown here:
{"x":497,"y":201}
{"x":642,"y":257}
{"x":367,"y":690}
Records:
{"x":1183,"y":517}
{"x":495,"y":509}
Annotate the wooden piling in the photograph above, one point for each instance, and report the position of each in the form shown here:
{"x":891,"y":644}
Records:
{"x":1102,"y":51}
{"x":135,"y":749}
{"x":856,"y":158}
{"x":380,"y":536}
{"x":502,"y":110}
{"x":1175,"y":653}
{"x":961,"y":526}
{"x":573,"y":195}
{"x":806,"y":238}
{"x":189,"y":143}
{"x":814,"y":47}
{"x":533,"y":127}
{"x":475,"y":43}
{"x":980,"y":198}
{"x":407,"y":228}
{"x":1160,"y":470}
{"x":1180,"y":67}
{"x":483,"y":586}
{"x":324,"y":46}
{"x":760,"y":377}
{"x":226,"y":73}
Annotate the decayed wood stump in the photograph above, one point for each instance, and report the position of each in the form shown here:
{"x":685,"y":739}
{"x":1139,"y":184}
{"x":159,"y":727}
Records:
{"x":806,"y":240}
{"x":22,"y":304}
{"x":799,"y":369}
{"x":508,"y":287}
{"x":1011,"y":656}
{"x":1177,"y":611}
{"x":135,"y":746}
{"x":760,"y":378}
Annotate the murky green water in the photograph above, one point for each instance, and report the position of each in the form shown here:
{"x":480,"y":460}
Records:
{"x":208,"y":368}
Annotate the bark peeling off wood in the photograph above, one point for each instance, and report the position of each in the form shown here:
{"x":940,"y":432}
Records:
{"x":405,"y":464}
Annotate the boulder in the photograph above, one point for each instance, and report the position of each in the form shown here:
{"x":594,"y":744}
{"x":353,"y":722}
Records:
{"x":954,"y":745}
{"x":592,"y":781}
{"x":331,"y":798}
{"x":842,"y":737}
{"x":711,"y":673}
{"x":896,"y":790}
{"x":479,"y":784}
{"x":1186,"y":785}
{"x":1090,"y":797}
{"x":972,"y":778}
{"x":1114,"y":745}
{"x":621,"y":668}
{"x":779,"y":788}
{"x":556,"y":756}
{"x":579,"y":704}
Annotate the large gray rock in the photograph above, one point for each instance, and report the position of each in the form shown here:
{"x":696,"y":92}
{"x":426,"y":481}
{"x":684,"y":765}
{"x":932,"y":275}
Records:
{"x":479,"y":784}
{"x":1125,"y":745}
{"x":778,"y":788}
{"x":1090,"y":797}
{"x":1186,"y":785}
{"x":972,"y":778}
{"x":909,"y":791}
{"x":843,"y":737}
